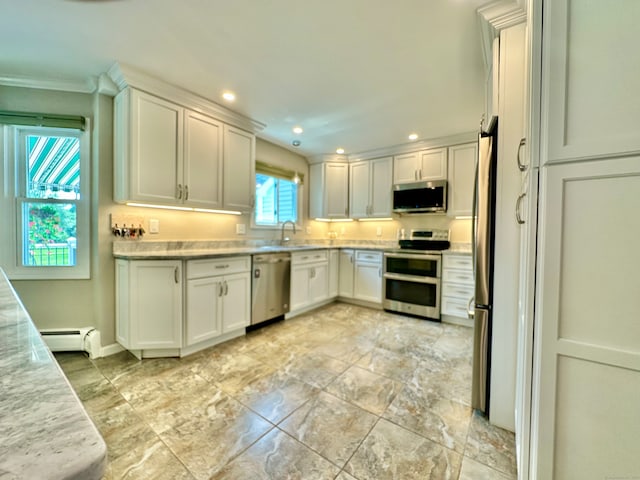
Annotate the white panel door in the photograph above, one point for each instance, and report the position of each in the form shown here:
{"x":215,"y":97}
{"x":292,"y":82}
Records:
{"x":156,"y":304}
{"x":433,"y":164}
{"x":368,"y":282}
{"x":380,"y":191}
{"x":236,"y":302}
{"x":359,"y":189}
{"x":337,"y":190}
{"x":591,"y":70}
{"x":319,"y":283}
{"x":203,"y":309}
{"x":345,"y":283}
{"x":586,"y":417}
{"x":461,"y":177}
{"x":156,"y":149}
{"x":334,"y":272}
{"x":300,"y":276}
{"x":202,"y":161}
{"x":405,"y":168}
{"x":238,"y":169}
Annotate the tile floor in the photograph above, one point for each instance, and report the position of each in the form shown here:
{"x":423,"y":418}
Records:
{"x":341,"y":393}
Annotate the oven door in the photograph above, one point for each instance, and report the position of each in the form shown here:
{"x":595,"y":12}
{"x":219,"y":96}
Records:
{"x":415,"y":265}
{"x":411,"y":294}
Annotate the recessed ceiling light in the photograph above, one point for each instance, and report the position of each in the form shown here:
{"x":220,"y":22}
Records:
{"x":229,"y":96}
{"x":340,"y":151}
{"x":297,"y":130}
{"x":413,"y":136}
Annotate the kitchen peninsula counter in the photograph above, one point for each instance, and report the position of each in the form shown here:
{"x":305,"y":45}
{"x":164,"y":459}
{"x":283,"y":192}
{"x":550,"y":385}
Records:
{"x":45,"y":432}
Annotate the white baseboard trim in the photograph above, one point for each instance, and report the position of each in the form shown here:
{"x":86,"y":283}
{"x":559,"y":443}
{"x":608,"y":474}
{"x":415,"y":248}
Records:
{"x":111,"y":349}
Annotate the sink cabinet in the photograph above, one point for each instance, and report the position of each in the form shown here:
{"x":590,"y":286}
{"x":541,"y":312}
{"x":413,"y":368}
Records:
{"x":309,"y":280}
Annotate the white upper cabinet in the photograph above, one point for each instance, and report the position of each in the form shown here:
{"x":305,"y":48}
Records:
{"x":461,"y":177}
{"x":202,"y":177}
{"x":239,"y":169}
{"x":425,"y":165}
{"x":171,"y":155}
{"x":370,"y":188}
{"x":329,"y":190}
{"x":591,"y":110}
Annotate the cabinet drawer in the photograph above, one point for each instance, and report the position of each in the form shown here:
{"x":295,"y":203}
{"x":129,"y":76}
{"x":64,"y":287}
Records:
{"x":367,"y":256}
{"x":313,"y":256}
{"x":457,"y":261}
{"x":454,"y":307}
{"x":460,"y":291}
{"x":217,"y":266}
{"x":458,"y":276}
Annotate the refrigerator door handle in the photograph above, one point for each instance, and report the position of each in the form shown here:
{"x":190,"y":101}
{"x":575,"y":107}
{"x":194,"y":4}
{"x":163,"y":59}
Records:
{"x":471,"y":312}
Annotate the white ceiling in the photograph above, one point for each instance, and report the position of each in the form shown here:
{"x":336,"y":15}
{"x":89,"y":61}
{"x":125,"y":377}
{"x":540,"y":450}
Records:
{"x":360,"y":74}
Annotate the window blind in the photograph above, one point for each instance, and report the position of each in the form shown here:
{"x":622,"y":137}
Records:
{"x":277,"y":172}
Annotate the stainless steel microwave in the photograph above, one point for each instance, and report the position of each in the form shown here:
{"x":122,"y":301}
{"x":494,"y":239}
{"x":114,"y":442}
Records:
{"x":420,"y":197}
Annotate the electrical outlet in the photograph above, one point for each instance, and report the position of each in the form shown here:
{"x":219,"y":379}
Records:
{"x":379,"y":231}
{"x":307,"y":230}
{"x":154,"y":225}
{"x":241,"y":228}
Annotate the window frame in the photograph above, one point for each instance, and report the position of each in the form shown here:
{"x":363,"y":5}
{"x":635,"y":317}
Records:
{"x":277,"y":226}
{"x":14,"y":195}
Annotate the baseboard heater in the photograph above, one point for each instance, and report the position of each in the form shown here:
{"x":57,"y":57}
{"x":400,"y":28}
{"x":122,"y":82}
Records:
{"x":86,"y":339}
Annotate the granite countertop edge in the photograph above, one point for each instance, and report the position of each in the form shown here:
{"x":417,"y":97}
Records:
{"x":45,"y":429}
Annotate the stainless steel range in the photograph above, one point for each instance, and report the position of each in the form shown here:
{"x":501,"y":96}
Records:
{"x":412,"y":274}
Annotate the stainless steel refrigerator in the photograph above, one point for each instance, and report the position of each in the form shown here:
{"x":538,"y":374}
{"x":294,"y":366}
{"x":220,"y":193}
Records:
{"x":483,"y":236}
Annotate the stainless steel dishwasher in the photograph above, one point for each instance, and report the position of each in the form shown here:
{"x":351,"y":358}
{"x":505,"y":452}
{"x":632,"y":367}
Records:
{"x":270,"y":286}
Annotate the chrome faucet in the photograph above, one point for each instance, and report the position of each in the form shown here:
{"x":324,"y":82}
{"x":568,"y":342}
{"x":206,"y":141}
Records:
{"x":283,"y":239}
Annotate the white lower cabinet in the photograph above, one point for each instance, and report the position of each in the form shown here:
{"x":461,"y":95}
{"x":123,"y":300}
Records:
{"x":334,"y":272}
{"x":361,"y":275}
{"x":218,"y":297}
{"x":158,"y":315}
{"x":149,"y":304}
{"x":457,"y":287}
{"x":309,"y":279}
{"x":345,"y":282}
{"x":367,"y":282}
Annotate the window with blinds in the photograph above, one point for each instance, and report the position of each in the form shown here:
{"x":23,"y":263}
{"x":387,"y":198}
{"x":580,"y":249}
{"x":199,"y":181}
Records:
{"x":277,"y":195}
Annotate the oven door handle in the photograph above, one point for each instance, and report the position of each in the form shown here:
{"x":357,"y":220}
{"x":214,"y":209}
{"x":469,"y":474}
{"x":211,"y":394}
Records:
{"x":413,"y":256}
{"x":412,"y":278}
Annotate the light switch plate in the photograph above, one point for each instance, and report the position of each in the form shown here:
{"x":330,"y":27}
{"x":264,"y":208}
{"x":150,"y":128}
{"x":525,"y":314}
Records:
{"x":307,"y":230}
{"x":241,"y":228}
{"x":379,"y":231}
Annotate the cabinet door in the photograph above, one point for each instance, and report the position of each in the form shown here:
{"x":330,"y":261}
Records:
{"x":236,"y":302}
{"x":345,"y":283}
{"x":156,"y":304}
{"x":380,"y":189}
{"x":334,"y":272}
{"x":319,"y":283}
{"x":239,"y":169}
{"x":300,"y":275}
{"x":368,"y":282}
{"x":337,"y":190}
{"x":433,"y":164}
{"x":359,"y":189}
{"x":462,"y":160}
{"x":155,"y":149}
{"x":203,"y":309}
{"x":202,"y":161}
{"x":405,"y":168}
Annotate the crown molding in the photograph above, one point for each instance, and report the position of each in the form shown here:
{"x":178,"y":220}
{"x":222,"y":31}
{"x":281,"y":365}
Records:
{"x":504,"y":13}
{"x":64,"y":85}
{"x":124,"y":76}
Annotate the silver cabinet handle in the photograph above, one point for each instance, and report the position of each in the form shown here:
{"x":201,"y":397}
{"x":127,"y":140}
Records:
{"x":519,"y":219}
{"x":186,"y":192}
{"x":175,"y":275}
{"x":220,"y":289}
{"x":521,"y":166}
{"x":226,"y":265}
{"x":226,"y":288}
{"x":179,"y":195}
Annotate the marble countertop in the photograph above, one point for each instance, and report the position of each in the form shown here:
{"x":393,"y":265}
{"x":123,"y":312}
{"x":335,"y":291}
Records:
{"x":45,"y":432}
{"x":152,"y":250}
